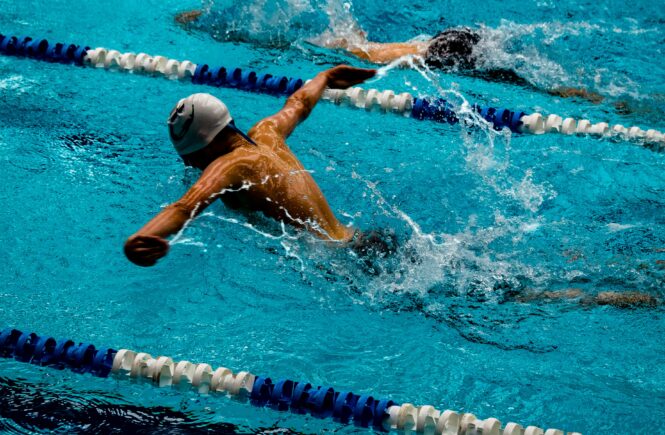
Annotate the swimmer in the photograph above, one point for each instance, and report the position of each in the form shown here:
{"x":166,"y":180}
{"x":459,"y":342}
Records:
{"x":256,"y":171}
{"x":449,"y":50}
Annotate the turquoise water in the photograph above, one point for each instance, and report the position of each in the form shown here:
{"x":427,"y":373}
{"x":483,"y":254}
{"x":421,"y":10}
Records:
{"x":484,"y":220}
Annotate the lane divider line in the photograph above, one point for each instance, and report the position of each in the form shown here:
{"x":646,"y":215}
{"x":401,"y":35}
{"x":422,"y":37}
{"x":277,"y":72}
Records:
{"x":427,"y":108}
{"x":284,"y":395}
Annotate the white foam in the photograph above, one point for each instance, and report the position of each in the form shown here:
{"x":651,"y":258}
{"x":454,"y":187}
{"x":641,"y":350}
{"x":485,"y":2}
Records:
{"x":614,"y":227}
{"x":16,"y":83}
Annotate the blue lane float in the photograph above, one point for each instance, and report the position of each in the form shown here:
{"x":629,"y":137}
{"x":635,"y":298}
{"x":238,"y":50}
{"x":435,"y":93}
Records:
{"x":58,"y":354}
{"x":321,"y":402}
{"x":285,"y":395}
{"x":40,"y":49}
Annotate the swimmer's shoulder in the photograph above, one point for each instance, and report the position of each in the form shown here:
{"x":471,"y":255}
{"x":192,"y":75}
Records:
{"x":246,"y":162}
{"x":266,"y":133}
{"x":263,"y":127}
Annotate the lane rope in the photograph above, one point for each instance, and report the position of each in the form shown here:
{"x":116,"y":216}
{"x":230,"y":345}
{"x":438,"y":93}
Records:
{"x":284,"y":395}
{"x":426,"y":108}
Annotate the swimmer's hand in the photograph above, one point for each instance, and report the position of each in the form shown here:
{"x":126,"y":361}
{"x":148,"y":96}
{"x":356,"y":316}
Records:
{"x":344,"y":76}
{"x":145,"y":250}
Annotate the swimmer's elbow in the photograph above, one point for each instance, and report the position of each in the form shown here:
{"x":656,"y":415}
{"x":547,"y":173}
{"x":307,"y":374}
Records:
{"x":300,"y":103}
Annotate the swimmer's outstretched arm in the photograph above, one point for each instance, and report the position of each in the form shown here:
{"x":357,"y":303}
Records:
{"x":564,"y":92}
{"x":148,"y":244}
{"x":299,"y":105}
{"x":384,"y":53}
{"x":380,"y":52}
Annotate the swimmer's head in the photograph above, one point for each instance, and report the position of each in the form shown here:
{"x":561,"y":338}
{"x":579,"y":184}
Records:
{"x":196,"y":121}
{"x":453,"y":48}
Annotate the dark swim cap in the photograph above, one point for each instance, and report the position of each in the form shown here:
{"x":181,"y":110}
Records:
{"x":452,"y":48}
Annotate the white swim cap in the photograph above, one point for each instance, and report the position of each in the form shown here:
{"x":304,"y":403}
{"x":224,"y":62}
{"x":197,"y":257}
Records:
{"x":195,"y":121}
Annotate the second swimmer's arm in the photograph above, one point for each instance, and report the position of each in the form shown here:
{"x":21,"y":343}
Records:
{"x":379,"y":52}
{"x":383,"y":53}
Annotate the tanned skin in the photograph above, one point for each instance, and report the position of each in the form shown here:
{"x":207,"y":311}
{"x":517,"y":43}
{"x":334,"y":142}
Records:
{"x":265,"y":177}
{"x":381,"y":52}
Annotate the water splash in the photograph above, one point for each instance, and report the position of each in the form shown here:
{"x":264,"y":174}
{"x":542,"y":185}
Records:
{"x":463,"y":262}
{"x":531,"y":50}
{"x":443,"y":276}
{"x":271,"y":24}
{"x":507,"y":47}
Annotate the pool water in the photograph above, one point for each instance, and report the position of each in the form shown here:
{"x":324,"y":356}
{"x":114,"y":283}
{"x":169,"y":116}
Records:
{"x":485,"y":221}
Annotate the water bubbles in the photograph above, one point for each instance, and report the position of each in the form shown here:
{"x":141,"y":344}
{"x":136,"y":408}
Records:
{"x":530,"y":194}
{"x":17,"y":84}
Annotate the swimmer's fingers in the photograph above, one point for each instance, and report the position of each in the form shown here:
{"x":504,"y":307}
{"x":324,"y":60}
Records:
{"x":146,"y":259}
{"x":147,"y":243}
{"x":145,"y":250}
{"x":150,"y":251}
{"x":344,"y":76}
{"x":155,"y":241}
{"x":144,"y":262}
